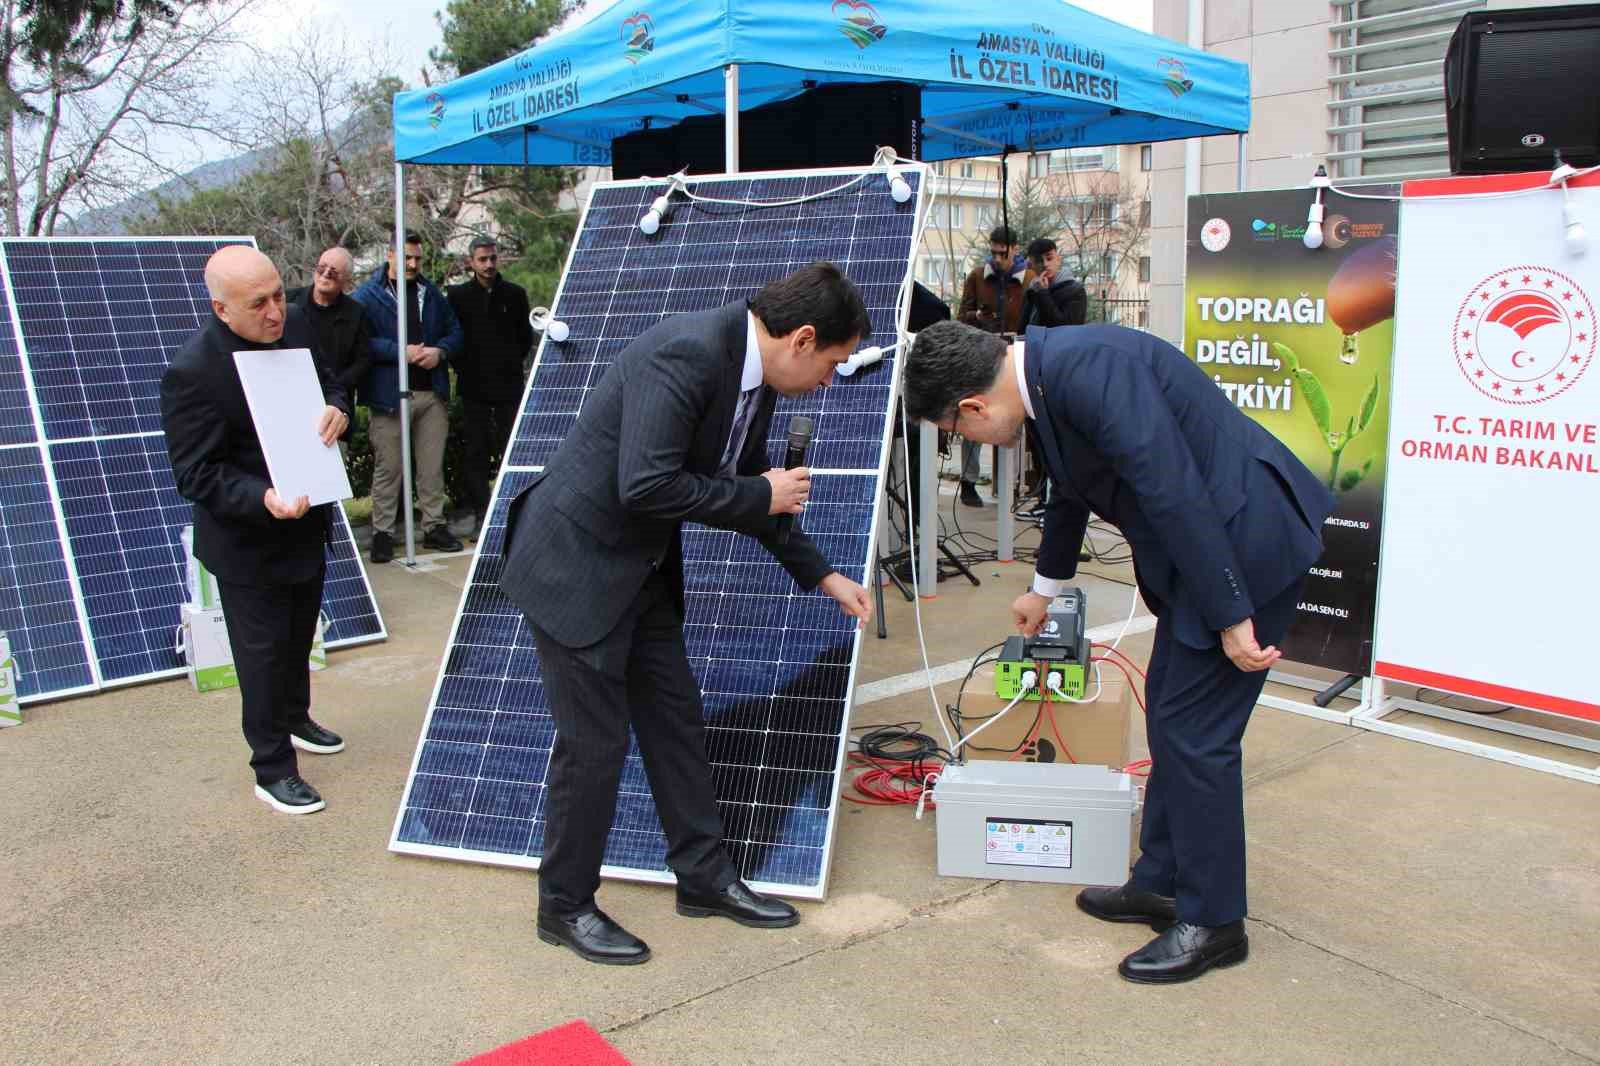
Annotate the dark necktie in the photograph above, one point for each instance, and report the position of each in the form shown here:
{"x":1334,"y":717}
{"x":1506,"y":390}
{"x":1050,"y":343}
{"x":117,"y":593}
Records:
{"x":749,"y":400}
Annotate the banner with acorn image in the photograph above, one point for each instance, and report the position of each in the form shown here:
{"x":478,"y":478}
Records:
{"x":1300,"y":339}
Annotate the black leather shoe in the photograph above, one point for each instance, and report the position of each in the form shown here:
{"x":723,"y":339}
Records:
{"x":440,"y":539}
{"x":595,"y":937}
{"x":739,"y":903}
{"x":1129,"y":903}
{"x":309,"y":736}
{"x":969,"y":494}
{"x":382,"y":547}
{"x":1186,"y":951}
{"x":290,"y":795}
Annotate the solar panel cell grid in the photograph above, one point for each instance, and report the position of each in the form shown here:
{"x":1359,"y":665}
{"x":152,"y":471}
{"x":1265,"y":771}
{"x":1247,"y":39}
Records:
{"x":774,"y":663}
{"x":37,"y":609}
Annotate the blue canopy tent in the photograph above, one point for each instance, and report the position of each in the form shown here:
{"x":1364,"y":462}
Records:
{"x":992,"y":79}
{"x":1024,"y":77}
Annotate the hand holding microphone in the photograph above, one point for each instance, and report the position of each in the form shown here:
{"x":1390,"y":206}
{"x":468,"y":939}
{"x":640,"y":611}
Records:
{"x":794,"y":482}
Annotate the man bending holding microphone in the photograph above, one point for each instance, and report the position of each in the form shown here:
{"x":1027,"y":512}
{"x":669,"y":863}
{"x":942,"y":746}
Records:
{"x":675,"y":432}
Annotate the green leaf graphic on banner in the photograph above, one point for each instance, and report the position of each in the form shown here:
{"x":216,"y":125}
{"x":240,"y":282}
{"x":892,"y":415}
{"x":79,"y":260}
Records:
{"x":1286,"y":353}
{"x":1317,"y":400}
{"x":1369,"y":406}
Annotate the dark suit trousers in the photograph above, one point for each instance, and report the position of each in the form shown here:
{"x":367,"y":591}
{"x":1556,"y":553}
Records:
{"x":1192,"y":838}
{"x":486,"y":431}
{"x":270,"y":630}
{"x":637,"y":674}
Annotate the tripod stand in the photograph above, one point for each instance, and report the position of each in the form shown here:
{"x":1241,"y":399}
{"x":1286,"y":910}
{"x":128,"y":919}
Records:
{"x":897,"y":564}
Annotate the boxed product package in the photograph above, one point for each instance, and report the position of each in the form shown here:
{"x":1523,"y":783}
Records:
{"x":10,"y":709}
{"x":202,"y":585}
{"x":319,"y":652}
{"x":203,"y":642}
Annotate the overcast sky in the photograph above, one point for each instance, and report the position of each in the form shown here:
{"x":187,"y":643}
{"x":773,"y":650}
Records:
{"x":412,"y":30}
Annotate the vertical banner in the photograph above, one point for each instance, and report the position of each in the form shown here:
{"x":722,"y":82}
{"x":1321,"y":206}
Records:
{"x":1300,"y":339}
{"x":1488,"y":581}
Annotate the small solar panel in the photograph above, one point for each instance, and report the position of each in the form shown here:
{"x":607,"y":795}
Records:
{"x":38,"y":611}
{"x":775,"y":664}
{"x":92,"y":326}
{"x":100,"y":320}
{"x":16,"y":411}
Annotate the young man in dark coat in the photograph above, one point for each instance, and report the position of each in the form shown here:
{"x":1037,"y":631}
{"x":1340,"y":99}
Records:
{"x":268,"y":553}
{"x":1224,"y":522}
{"x":494,"y":320}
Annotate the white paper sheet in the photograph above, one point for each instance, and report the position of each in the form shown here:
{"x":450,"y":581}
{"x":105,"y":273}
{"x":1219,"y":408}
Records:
{"x":286,"y":404}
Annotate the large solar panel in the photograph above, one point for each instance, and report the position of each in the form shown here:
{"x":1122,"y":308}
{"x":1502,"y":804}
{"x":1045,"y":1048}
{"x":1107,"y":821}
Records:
{"x":90,"y":328}
{"x":775,"y":665}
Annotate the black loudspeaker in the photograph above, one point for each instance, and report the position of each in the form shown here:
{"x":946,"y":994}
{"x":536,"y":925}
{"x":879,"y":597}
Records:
{"x":1520,"y":86}
{"x":825,"y":126}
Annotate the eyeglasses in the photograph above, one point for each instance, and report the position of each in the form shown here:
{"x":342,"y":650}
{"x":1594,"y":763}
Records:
{"x":330,"y":272}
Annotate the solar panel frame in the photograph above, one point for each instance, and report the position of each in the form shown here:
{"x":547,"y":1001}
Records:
{"x":484,"y":571}
{"x":175,"y":311}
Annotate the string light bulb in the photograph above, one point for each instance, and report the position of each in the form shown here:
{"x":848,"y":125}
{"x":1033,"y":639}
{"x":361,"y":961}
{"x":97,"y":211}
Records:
{"x":1319,"y":181}
{"x":553,"y":328}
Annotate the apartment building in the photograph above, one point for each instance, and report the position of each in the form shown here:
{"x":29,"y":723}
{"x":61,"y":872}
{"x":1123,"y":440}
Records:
{"x":1355,"y":85}
{"x":1094,"y":202}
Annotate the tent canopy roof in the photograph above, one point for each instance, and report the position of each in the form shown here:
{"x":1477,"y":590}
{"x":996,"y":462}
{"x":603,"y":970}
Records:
{"x":1026,"y":77}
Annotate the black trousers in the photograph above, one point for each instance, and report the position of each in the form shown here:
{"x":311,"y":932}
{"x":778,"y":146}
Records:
{"x":270,"y":630}
{"x":637,"y":674}
{"x":1192,"y":838}
{"x":485,"y":433}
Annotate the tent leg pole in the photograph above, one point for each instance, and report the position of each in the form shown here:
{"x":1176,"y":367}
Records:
{"x":730,"y":117}
{"x":1244,"y":161}
{"x":402,"y":370}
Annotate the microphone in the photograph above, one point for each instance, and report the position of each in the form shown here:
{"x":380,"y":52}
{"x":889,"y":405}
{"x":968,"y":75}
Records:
{"x":800,"y":429}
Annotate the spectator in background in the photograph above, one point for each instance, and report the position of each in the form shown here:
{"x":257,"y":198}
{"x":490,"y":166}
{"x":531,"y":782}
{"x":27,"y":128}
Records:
{"x":992,"y":300}
{"x":433,"y":338}
{"x":1054,"y":297}
{"x":339,"y":323}
{"x":494,"y":320}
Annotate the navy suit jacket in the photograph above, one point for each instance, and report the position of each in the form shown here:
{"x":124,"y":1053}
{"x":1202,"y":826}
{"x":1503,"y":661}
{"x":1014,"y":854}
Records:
{"x":642,"y":459}
{"x":1221,"y":516}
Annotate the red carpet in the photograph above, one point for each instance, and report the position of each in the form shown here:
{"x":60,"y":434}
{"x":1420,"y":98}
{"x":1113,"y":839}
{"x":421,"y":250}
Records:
{"x":573,"y":1044}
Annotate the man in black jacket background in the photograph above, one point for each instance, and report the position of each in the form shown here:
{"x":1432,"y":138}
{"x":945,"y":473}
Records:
{"x":1054,"y":297}
{"x":494,"y":317}
{"x":268,"y":553}
{"x":339,"y":323}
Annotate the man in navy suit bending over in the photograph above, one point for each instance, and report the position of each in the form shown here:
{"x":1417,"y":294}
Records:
{"x":1224,"y":522}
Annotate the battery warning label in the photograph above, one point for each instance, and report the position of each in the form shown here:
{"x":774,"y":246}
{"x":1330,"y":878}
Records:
{"x":1026,"y":842}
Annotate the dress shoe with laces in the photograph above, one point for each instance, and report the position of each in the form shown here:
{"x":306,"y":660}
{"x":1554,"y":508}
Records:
{"x":1186,"y":951}
{"x":969,"y":494}
{"x":309,"y":736}
{"x":595,"y":937}
{"x":290,"y":795}
{"x":440,"y":539}
{"x":739,"y":903}
{"x":1129,"y":903}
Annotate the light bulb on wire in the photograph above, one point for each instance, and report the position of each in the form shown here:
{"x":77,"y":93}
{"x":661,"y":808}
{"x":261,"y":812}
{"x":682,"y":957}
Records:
{"x":553,"y":328}
{"x":899,"y":188}
{"x":660,"y":208}
{"x":1319,"y":181}
{"x":1575,"y":239}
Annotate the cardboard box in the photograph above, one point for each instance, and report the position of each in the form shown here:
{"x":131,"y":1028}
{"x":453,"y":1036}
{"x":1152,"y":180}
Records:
{"x":202,"y":586}
{"x":319,"y":651}
{"x":10,"y":709}
{"x":1099,"y":733}
{"x":203,"y":642}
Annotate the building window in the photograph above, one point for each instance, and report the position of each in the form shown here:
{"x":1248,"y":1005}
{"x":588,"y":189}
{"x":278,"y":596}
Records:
{"x":1144,"y":317}
{"x":1038,"y":166}
{"x":1144,"y":213}
{"x":1147,"y":154}
{"x":938,"y":167}
{"x":966,"y":170}
{"x":955,"y":216}
{"x":1144,"y":269}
